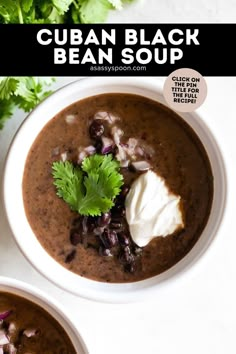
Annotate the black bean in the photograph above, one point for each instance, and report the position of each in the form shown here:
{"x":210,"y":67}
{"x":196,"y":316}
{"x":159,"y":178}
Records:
{"x":98,"y":146}
{"x":131,"y":168}
{"x":105,"y":252}
{"x":124,"y":191}
{"x":109,"y":238}
{"x":115,"y":224}
{"x":104,"y":219}
{"x":130,"y":267}
{"x":70,"y":256}
{"x":126,"y":257}
{"x":123,"y":212}
{"x":123,"y":239}
{"x":96,"y":129}
{"x":113,"y":238}
{"x":75,"y":237}
{"x":91,"y":227}
{"x":91,"y":224}
{"x":118,"y":210}
{"x":104,"y":238}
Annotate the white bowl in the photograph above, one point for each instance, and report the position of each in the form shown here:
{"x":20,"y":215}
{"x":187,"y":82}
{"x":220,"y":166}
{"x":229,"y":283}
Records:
{"x":24,"y":236}
{"x":34,"y":295}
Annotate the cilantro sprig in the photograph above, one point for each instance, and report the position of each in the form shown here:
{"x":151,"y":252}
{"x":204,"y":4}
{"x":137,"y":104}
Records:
{"x":57,"y":11}
{"x":91,"y":188}
{"x":22,"y":92}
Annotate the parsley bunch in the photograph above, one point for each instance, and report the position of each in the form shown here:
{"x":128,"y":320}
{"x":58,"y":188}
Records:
{"x":57,"y":11}
{"x":91,"y":189}
{"x":21,"y":92}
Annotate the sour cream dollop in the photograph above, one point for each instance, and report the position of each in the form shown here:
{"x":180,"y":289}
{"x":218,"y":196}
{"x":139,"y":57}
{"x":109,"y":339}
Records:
{"x":151,"y":209}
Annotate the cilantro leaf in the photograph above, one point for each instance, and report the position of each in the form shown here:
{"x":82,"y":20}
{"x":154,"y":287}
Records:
{"x":91,"y":189}
{"x":62,"y":6}
{"x":6,"y":110}
{"x":30,"y":92}
{"x":8,"y":11}
{"x":57,"y":11}
{"x":94,"y":11}
{"x":22,"y":92}
{"x":68,"y":181}
{"x":106,"y":169}
{"x":95,"y":201}
{"x":7,"y":87}
{"x":26,"y":5}
{"x":117,"y":4}
{"x":99,"y":162}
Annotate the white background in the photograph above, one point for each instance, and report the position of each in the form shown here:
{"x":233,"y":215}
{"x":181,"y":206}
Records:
{"x":197,"y":315}
{"x":177,"y":11}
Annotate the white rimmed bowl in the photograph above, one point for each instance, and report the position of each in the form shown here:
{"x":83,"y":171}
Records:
{"x":41,"y":299}
{"x":13,"y":200}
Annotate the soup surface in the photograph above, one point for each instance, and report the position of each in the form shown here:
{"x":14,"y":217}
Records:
{"x":30,"y":329}
{"x":174,"y":152}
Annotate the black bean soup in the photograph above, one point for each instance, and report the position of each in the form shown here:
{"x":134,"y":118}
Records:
{"x":27,"y":328}
{"x":142,"y":134}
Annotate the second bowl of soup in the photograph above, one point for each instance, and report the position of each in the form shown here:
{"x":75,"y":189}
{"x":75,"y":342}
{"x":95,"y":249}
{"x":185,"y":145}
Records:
{"x":31,"y":322}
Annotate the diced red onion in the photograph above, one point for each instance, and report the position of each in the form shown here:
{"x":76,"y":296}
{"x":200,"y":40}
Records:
{"x":112,"y":118}
{"x":70,"y":118}
{"x":101,"y":115}
{"x":124,"y":149}
{"x":90,"y":149}
{"x":132,"y":143}
{"x":141,"y":165}
{"x":124,"y":163}
{"x":64,"y":156}
{"x":139,"y":151}
{"x":81,"y":156}
{"x":121,"y":155}
{"x":107,"y":145}
{"x":4,"y":314}
{"x":109,"y":117}
{"x":130,"y":150}
{"x":1,"y":350}
{"x":84,"y":152}
{"x":30,"y":332}
{"x":3,"y":338}
{"x":124,"y":145}
{"x":117,"y":134}
{"x":11,"y":328}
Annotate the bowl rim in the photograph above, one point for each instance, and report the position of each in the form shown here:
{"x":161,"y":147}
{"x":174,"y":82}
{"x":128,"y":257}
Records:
{"x":47,"y":303}
{"x":114,"y":292}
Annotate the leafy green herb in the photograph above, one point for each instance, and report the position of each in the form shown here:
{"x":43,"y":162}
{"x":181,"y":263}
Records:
{"x":57,"y":11}
{"x":91,"y":188}
{"x":21,"y":92}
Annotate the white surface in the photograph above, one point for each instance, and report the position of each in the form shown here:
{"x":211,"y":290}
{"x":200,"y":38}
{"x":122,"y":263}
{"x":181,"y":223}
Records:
{"x":176,"y":11}
{"x":199,"y":313}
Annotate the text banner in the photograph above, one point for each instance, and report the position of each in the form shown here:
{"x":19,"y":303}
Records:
{"x":116,"y":49}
